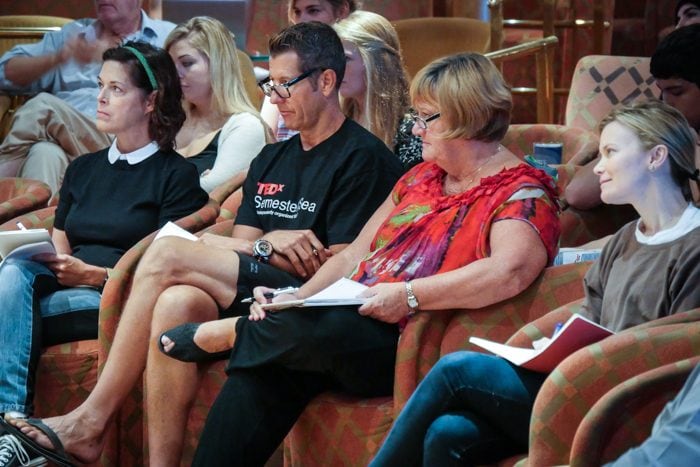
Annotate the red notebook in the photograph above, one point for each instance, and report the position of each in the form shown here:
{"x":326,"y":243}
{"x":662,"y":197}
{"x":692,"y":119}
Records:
{"x":575,"y":334}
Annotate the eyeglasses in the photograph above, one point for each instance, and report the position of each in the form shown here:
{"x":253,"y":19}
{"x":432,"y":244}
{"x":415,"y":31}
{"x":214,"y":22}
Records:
{"x":282,"y":89}
{"x":422,"y":122}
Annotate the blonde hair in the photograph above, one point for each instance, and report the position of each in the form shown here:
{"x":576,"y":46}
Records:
{"x":470,"y":94}
{"x":386,"y":96}
{"x":656,"y":123}
{"x":213,"y":40}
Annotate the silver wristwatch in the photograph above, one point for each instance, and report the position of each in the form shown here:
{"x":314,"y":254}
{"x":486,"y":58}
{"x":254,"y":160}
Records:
{"x":262,"y":250}
{"x":412,"y":300}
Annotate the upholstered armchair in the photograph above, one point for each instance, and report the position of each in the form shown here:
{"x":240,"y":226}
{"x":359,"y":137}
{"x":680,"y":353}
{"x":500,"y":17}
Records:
{"x":21,"y":195}
{"x":603,"y":399}
{"x":342,"y":430}
{"x":68,"y":372}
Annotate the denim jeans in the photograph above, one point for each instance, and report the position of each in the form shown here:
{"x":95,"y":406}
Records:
{"x":29,"y":292}
{"x":470,"y":409}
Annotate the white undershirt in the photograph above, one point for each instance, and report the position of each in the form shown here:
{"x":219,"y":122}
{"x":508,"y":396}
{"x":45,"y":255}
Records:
{"x":690,"y":220}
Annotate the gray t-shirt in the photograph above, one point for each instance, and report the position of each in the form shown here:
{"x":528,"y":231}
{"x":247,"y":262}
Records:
{"x":632,"y":283}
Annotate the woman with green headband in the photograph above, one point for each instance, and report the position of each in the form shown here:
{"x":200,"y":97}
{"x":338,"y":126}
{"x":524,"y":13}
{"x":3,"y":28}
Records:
{"x":109,"y":200}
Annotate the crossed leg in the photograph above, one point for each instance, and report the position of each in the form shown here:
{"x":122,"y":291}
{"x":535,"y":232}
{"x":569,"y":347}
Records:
{"x":171,"y":385}
{"x":168,"y":262}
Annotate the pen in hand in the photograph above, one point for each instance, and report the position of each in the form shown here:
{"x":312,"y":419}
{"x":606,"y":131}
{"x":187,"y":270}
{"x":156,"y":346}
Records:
{"x":273,"y":294}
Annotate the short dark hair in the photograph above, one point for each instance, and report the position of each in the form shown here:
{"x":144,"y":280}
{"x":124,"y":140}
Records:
{"x":677,"y":55}
{"x":316,"y":44}
{"x":168,"y":115}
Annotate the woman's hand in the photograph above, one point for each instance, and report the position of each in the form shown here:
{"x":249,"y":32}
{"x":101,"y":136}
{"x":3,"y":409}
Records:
{"x":386,"y":302}
{"x":72,"y":272}
{"x":257,"y":313}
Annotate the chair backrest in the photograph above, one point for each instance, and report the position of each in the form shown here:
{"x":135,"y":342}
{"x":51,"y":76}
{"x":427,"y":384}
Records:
{"x":249,"y":81}
{"x":603,"y":82}
{"x":426,"y":39}
{"x":24,"y":29}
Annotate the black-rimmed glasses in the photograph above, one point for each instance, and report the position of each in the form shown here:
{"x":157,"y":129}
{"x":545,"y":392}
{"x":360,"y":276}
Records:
{"x":282,"y":89}
{"x":422,"y":122}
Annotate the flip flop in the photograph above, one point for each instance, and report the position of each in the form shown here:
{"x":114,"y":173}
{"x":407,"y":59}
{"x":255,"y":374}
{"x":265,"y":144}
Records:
{"x":57,"y":455}
{"x":185,"y":348}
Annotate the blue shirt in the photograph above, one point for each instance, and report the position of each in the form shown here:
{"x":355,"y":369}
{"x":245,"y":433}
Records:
{"x":675,"y":438}
{"x":73,"y":82}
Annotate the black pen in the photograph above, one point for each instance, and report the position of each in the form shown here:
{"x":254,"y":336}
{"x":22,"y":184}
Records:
{"x":273,"y":294}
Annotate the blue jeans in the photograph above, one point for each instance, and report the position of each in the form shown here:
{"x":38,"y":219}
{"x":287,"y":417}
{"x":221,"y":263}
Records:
{"x":470,"y":409}
{"x":29,"y":293}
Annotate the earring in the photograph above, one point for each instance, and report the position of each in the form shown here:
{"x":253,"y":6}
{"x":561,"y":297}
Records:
{"x":652,"y":168}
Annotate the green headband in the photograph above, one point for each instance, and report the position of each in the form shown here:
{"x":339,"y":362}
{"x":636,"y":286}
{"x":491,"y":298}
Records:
{"x":139,"y":56}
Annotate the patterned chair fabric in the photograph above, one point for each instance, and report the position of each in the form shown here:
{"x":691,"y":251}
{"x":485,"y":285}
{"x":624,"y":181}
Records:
{"x":21,"y":195}
{"x":229,"y":195}
{"x":623,"y":417}
{"x":342,"y":430}
{"x":582,"y":379}
{"x":125,"y":439}
{"x":601,"y":83}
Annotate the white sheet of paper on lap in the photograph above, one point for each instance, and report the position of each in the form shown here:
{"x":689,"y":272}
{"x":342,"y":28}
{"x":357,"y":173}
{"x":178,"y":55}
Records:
{"x":171,"y":229}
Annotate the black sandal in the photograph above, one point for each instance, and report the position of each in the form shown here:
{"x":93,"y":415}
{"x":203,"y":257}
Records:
{"x":185,"y":348}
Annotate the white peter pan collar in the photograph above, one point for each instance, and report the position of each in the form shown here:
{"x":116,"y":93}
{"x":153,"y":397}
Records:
{"x":133,"y":157}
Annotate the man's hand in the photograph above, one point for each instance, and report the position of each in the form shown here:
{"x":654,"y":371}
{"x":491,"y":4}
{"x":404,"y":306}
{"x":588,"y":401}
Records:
{"x":386,"y":302}
{"x":82,"y":51}
{"x":301,"y":247}
{"x":227,"y":243}
{"x":72,"y":272}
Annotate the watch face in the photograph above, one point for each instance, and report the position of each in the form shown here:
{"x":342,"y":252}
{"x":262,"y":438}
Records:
{"x":412,"y":302}
{"x":263,"y":248}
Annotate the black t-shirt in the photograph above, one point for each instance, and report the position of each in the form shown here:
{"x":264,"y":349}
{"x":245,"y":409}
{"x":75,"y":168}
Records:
{"x":106,"y":208}
{"x":331,"y":189}
{"x":207,"y":156}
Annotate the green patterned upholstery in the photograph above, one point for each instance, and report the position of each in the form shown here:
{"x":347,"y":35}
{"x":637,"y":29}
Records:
{"x":341,"y":430}
{"x":21,"y":195}
{"x":125,"y":440}
{"x":583,"y":378}
{"x":623,"y":417}
{"x":601,"y":83}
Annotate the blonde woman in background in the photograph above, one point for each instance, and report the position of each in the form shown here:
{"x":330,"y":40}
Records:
{"x":374,"y":91}
{"x":301,"y":11}
{"x":223,"y":132}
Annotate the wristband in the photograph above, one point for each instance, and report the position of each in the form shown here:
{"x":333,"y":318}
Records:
{"x":106,"y":277}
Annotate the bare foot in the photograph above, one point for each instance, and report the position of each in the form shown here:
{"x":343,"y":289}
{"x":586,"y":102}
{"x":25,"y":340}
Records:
{"x":211,"y":336}
{"x":76,"y":431}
